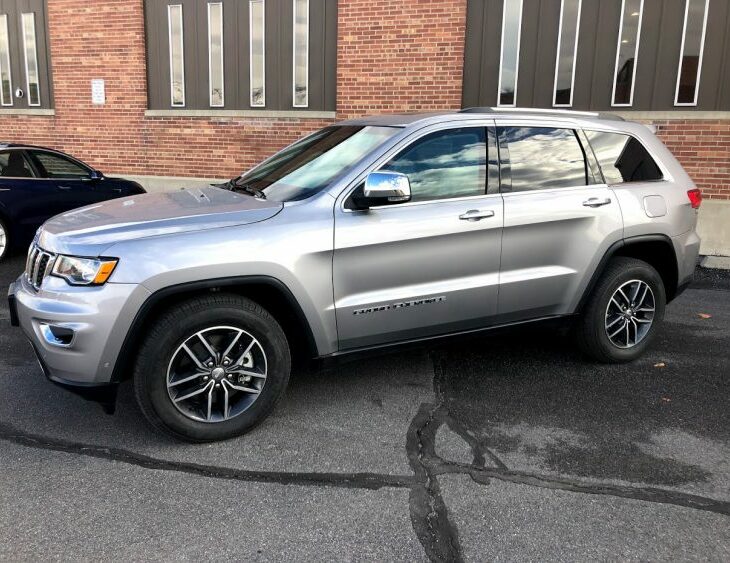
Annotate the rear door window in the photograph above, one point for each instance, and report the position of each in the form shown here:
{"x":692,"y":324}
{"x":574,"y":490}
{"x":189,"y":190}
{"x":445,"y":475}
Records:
{"x":623,"y":158}
{"x":14,"y":164}
{"x":540,"y":158}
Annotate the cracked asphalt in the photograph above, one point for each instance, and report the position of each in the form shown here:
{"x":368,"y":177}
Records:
{"x":505,"y":447}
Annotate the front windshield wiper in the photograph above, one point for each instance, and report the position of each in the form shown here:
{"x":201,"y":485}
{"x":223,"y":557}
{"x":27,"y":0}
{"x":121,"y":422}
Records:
{"x":234,"y":185}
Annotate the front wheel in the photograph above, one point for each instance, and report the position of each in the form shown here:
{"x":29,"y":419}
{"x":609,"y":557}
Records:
{"x":623,"y":312}
{"x":4,"y":240}
{"x":212,"y":368}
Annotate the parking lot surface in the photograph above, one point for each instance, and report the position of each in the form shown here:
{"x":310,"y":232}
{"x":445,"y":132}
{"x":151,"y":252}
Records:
{"x":505,"y":447}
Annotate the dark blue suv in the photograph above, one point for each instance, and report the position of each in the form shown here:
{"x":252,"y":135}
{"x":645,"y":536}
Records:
{"x":37,"y":183}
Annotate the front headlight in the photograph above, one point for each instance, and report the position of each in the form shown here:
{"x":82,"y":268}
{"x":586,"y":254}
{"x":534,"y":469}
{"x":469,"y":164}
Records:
{"x":84,"y":271}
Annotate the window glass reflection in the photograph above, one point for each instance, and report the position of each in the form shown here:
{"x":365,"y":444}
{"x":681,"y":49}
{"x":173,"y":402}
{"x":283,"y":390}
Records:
{"x":6,"y":82}
{"x":510,"y":55}
{"x":31,"y":59}
{"x":543,"y":158}
{"x":177,"y":56}
{"x":215,"y":53}
{"x":626,"y":52}
{"x":623,"y":158}
{"x":691,"y":58}
{"x":257,"y":17}
{"x":567,"y":51}
{"x":301,"y":53}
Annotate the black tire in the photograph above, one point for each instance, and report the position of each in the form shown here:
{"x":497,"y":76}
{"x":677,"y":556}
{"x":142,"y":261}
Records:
{"x":172,"y":329}
{"x":591,"y":333}
{"x":4,"y":248}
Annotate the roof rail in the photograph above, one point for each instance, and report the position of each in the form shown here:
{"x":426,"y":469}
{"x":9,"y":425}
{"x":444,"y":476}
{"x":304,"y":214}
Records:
{"x":547,"y":111}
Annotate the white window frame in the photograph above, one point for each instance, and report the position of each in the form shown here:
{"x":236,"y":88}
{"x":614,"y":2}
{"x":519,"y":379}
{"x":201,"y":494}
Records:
{"x":294,"y":50}
{"x":575,"y":55}
{"x":210,"y":61}
{"x":501,"y":55}
{"x":263,"y":53}
{"x":182,"y":51}
{"x":35,"y":55}
{"x":636,"y":55}
{"x":3,"y":101}
{"x":681,"y":56}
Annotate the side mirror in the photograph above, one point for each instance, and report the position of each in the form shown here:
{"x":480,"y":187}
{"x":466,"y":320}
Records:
{"x":95,"y":176}
{"x":387,"y":187}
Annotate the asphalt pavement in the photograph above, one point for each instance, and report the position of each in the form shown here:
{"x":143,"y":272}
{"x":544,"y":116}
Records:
{"x":505,"y":447}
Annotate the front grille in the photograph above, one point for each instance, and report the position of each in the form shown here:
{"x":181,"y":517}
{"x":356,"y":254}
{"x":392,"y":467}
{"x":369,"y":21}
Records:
{"x":38,"y":266}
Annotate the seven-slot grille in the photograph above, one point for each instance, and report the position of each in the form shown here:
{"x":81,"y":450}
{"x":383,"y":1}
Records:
{"x":38,"y":266}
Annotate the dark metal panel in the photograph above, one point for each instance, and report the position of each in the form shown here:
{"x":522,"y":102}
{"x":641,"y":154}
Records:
{"x":317,"y":26}
{"x":723,"y":69}
{"x":529,"y":45}
{"x":662,"y":62}
{"x":482,"y":49}
{"x":604,"y":59}
{"x":545,"y":53}
{"x":584,"y":64}
{"x":714,"y":56}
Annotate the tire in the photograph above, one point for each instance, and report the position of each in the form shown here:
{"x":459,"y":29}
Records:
{"x":592,"y":330}
{"x":4,"y":240}
{"x":163,"y":365}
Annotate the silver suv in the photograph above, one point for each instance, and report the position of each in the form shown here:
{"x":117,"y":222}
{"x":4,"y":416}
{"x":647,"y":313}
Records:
{"x":366,"y":234}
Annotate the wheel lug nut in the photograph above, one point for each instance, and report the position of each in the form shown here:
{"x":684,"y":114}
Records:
{"x":217,"y":384}
{"x":206,"y":378}
{"x":210,"y":364}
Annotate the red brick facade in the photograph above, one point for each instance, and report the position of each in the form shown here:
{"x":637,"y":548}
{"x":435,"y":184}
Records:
{"x":392,"y":56}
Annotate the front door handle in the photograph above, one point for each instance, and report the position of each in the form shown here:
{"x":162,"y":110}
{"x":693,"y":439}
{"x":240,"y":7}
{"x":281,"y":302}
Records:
{"x":64,"y":187}
{"x":476,"y":215}
{"x":596,"y":202}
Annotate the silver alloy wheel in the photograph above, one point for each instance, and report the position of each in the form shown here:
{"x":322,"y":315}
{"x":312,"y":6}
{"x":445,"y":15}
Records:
{"x":3,"y":240}
{"x":216,"y":374}
{"x":630,"y":314}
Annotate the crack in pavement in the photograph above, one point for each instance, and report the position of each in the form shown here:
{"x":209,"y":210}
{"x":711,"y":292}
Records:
{"x":429,"y":514}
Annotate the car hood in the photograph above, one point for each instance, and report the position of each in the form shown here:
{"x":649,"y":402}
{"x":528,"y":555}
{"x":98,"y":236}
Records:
{"x":87,"y":231}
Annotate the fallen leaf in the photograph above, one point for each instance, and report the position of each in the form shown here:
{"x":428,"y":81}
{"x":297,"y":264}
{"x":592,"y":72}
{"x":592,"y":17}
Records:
{"x":660,"y":365}
{"x":704,"y":316}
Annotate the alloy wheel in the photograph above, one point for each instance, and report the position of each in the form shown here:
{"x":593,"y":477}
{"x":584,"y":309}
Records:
{"x":630,"y":314}
{"x":216,"y":374}
{"x":3,"y":240}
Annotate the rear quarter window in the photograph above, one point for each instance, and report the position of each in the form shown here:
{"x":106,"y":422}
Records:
{"x":623,"y":158}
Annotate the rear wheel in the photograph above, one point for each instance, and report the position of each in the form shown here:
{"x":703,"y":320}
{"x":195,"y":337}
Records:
{"x":4,"y":239}
{"x":212,"y":368}
{"x":622,"y":314}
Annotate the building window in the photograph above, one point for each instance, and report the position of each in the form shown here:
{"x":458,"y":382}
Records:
{"x":566,"y":53}
{"x":215,"y":54}
{"x":6,"y":80}
{"x":509,"y":57}
{"x":690,"y":58}
{"x":627,"y":51}
{"x":177,"y":55}
{"x":301,"y":53}
{"x":277,"y":55}
{"x":257,"y":62}
{"x":31,"y":60}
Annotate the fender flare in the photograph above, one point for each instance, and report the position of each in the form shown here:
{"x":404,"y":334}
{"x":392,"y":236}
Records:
{"x":615,"y":247}
{"x":134,"y":334}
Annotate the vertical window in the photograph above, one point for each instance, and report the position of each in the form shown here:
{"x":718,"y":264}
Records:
{"x":301,"y":53}
{"x":6,"y":81}
{"x":509,"y":56}
{"x":627,"y":51}
{"x":31,"y":59}
{"x":690,"y":58}
{"x":567,"y":52}
{"x":177,"y":55}
{"x":257,"y":66}
{"x":215,"y":53}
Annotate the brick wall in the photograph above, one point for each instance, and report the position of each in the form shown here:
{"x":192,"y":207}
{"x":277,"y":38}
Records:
{"x":392,"y":56}
{"x":703,"y":148}
{"x":399,"y":56}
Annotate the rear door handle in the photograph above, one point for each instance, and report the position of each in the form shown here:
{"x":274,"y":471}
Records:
{"x":596,"y":202}
{"x":64,"y":187}
{"x":476,"y":215}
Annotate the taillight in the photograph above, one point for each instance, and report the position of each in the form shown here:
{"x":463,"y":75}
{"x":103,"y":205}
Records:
{"x":695,"y":198}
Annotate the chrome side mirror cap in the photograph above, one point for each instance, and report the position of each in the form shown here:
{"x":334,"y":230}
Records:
{"x":390,"y":187}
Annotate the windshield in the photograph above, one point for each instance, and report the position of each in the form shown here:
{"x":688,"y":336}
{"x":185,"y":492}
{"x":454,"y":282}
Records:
{"x":311,"y":164}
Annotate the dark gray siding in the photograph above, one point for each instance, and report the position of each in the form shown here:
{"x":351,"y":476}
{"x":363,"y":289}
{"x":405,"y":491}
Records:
{"x":278,"y":51}
{"x":13,"y":9}
{"x":658,"y":58}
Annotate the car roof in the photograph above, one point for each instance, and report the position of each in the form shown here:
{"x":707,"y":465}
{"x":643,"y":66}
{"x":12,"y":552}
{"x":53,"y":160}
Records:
{"x":5,"y":145}
{"x":426,"y":118}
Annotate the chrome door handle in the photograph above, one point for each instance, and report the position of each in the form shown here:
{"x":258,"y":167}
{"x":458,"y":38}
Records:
{"x":596,"y":202}
{"x":476,"y":215}
{"x":64,"y":187}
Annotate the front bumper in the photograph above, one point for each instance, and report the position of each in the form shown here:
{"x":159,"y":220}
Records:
{"x":76,"y":332}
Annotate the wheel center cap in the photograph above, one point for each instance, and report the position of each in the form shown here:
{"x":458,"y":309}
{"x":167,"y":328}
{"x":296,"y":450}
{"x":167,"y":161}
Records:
{"x":217,"y":373}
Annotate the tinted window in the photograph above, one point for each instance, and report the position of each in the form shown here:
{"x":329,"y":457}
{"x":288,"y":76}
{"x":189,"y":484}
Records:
{"x":623,"y":158}
{"x":445,"y":164}
{"x":311,"y":164}
{"x":541,"y":158}
{"x":13,"y":164}
{"x":57,"y":166}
